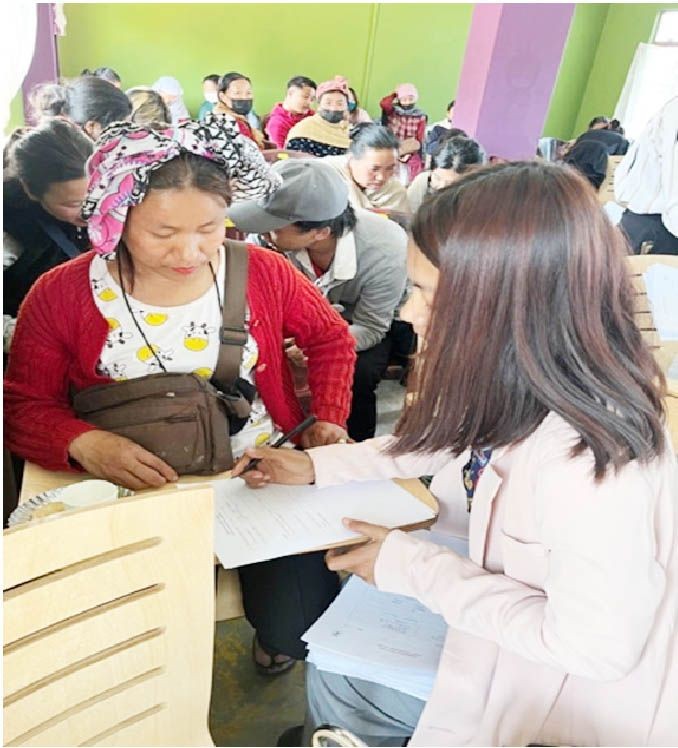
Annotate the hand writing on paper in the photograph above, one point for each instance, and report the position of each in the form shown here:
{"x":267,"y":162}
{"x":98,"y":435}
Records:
{"x":361,"y":559}
{"x":288,"y":466}
{"x":322,"y":433}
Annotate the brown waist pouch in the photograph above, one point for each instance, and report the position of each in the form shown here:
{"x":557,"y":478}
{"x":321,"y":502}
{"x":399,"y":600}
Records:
{"x":181,"y":418}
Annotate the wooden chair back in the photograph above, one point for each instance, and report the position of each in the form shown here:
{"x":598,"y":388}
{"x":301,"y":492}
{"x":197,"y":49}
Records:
{"x":665,"y":351}
{"x":606,"y":191}
{"x":109,"y":624}
{"x":280,"y":154}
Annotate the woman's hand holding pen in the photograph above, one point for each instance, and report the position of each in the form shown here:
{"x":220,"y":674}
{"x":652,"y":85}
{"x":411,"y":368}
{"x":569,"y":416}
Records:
{"x":288,"y":466}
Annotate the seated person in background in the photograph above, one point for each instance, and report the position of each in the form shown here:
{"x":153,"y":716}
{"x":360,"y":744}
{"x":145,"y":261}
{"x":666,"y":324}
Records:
{"x":408,"y":123}
{"x":326,"y":132}
{"x":43,"y":191}
{"x":356,"y":115}
{"x":147,"y":106}
{"x":356,"y":259}
{"x":235,"y":100}
{"x":590,"y":158}
{"x":210,"y":95}
{"x":296,"y":106}
{"x":647,"y":181}
{"x":173,"y":95}
{"x":451,"y":160}
{"x":89,"y":102}
{"x":616,"y":126}
{"x":106,"y":74}
{"x":369,"y":170}
{"x":158,"y":199}
{"x":548,"y":442}
{"x":434,"y":131}
{"x":600,"y":132}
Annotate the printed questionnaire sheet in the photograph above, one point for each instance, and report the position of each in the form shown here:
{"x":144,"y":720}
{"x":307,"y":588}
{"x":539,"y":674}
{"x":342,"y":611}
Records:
{"x":378,"y":636}
{"x":257,"y":525}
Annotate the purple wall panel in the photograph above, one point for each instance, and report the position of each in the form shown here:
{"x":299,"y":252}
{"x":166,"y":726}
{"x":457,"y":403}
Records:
{"x":45,"y":64}
{"x":524,"y":50}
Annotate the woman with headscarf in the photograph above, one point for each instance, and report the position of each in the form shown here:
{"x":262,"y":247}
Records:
{"x":148,"y":300}
{"x":326,"y":132}
{"x":408,"y":123}
{"x":172,"y":93}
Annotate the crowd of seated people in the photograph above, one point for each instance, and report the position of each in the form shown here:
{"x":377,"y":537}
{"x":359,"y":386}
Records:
{"x":536,"y":405}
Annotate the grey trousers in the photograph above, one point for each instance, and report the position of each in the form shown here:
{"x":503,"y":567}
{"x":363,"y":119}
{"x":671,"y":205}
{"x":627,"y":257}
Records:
{"x":375,"y":714}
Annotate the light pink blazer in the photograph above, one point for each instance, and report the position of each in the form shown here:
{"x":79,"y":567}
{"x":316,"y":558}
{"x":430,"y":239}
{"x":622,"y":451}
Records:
{"x":563,"y":624}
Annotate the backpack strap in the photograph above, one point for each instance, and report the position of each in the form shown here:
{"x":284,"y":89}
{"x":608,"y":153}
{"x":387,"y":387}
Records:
{"x":232,"y":334}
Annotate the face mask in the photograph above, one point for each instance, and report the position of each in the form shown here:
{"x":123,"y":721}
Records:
{"x":212,"y":97}
{"x":352,"y":106}
{"x":331,"y":116}
{"x":406,"y":107}
{"x":241,"y":106}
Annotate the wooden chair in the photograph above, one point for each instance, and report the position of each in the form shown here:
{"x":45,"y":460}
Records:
{"x":109,"y":624}
{"x":280,"y":154}
{"x":606,"y":191}
{"x":665,"y":351}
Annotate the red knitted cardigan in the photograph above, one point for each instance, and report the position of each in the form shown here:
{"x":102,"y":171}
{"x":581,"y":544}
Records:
{"x":60,"y":334}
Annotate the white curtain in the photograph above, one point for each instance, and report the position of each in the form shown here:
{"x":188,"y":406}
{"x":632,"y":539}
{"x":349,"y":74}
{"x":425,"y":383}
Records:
{"x":18,"y":31}
{"x":651,"y":81}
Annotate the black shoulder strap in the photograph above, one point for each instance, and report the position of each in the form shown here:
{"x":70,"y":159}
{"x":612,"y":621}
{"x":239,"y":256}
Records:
{"x":233,"y":335}
{"x":58,"y":236}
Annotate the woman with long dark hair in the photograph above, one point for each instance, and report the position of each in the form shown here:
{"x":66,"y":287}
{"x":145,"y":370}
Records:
{"x":43,"y":190}
{"x":537,"y":407}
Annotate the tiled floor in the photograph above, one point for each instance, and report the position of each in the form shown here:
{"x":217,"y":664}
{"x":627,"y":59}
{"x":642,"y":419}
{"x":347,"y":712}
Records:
{"x":249,"y":709}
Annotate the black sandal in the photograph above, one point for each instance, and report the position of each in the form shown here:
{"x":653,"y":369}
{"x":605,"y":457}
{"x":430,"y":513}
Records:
{"x":273,"y":668}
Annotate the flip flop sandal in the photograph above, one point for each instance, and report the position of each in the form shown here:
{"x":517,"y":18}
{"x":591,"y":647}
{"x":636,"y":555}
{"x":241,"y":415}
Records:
{"x":274,"y":668}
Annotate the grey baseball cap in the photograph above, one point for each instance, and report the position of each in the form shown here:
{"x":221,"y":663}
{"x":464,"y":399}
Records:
{"x":310,"y":191}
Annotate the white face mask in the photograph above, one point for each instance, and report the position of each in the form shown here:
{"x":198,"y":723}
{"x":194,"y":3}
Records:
{"x":212,"y":97}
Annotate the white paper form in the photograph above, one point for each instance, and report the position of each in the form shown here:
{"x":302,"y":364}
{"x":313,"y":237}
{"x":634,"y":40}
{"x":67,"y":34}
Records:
{"x":274,"y":521}
{"x":661,"y":282}
{"x":377,"y":636}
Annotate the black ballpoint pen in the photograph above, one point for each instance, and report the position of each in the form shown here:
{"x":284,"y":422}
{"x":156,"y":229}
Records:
{"x":282,"y":440}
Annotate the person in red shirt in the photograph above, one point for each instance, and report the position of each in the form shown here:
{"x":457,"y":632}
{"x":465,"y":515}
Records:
{"x":297,"y":106}
{"x":158,"y":199}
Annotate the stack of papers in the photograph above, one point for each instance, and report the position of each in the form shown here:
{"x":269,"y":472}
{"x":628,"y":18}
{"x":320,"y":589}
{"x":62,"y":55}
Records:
{"x":274,"y":521}
{"x":376,"y":636}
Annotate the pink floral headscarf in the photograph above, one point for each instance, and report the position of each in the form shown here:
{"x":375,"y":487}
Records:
{"x":126,"y":154}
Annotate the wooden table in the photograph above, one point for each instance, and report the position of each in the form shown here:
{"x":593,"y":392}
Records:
{"x":229,"y":596}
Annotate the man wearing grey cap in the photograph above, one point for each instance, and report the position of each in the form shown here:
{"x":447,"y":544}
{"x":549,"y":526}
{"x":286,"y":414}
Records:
{"x":356,"y":259}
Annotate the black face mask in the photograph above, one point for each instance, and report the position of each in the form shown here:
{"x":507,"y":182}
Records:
{"x":406,"y":107}
{"x":241,"y":106}
{"x":331,"y":115}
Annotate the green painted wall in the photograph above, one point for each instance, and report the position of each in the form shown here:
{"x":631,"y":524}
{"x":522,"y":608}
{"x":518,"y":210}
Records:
{"x":16,"y":113}
{"x":626,"y":26}
{"x":575,"y":67}
{"x":375,"y":46}
{"x":420,"y":43}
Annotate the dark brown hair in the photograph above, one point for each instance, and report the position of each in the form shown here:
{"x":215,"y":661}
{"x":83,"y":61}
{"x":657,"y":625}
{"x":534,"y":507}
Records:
{"x":54,"y":151}
{"x":533,"y":313}
{"x":183,"y":172}
{"x":82,"y":100}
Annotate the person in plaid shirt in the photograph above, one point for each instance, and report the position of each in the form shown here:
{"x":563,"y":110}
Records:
{"x":408,"y":123}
